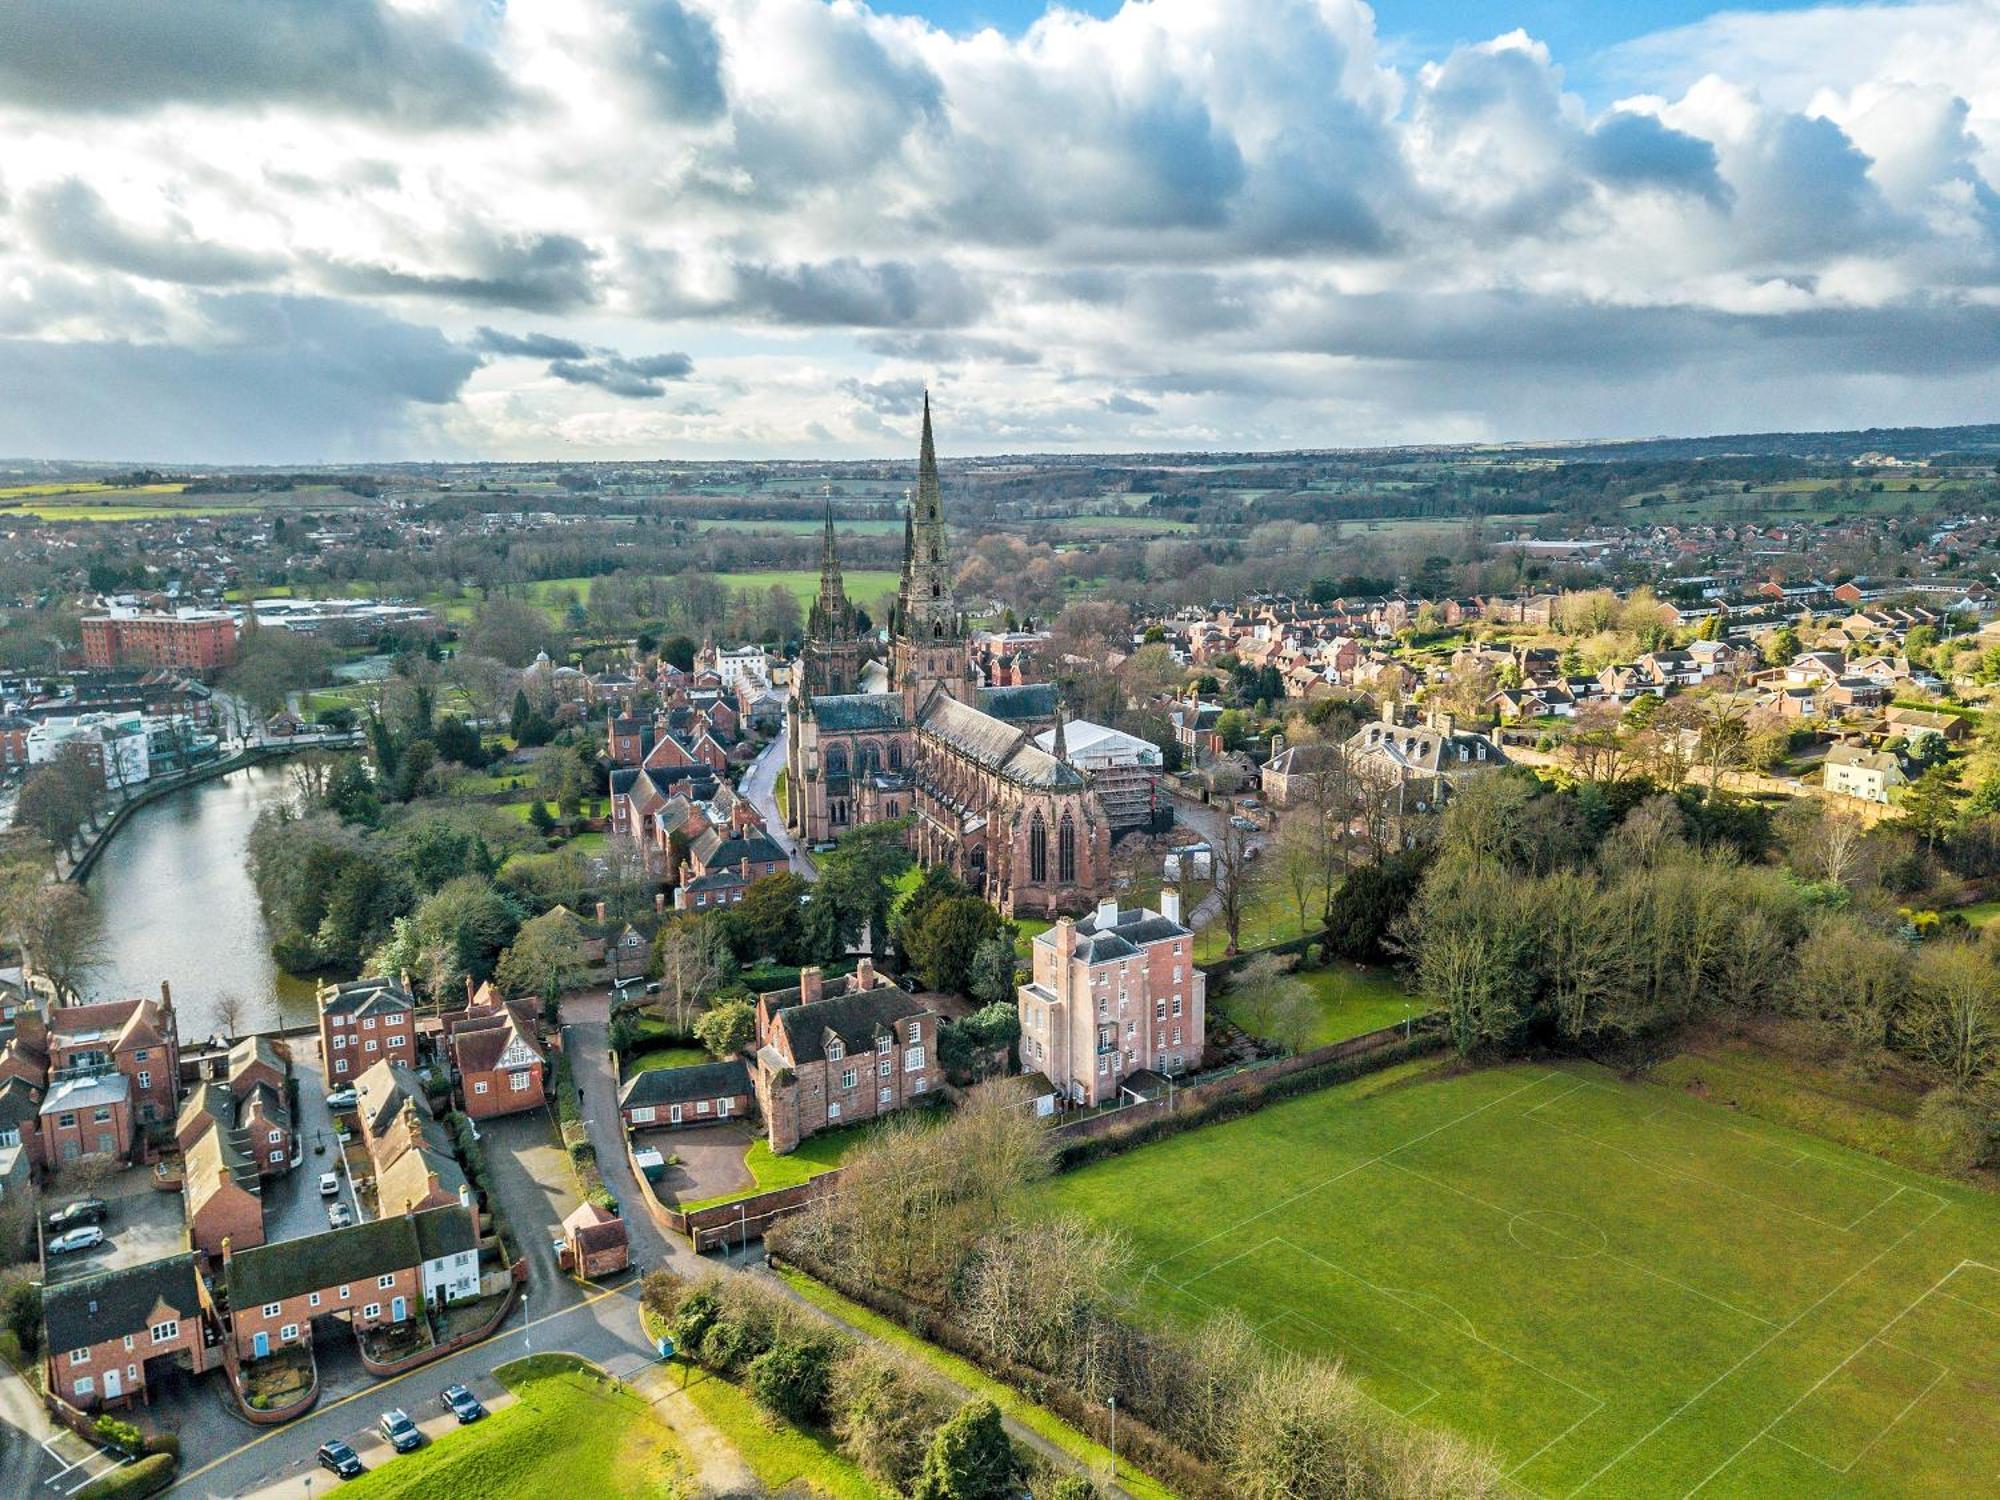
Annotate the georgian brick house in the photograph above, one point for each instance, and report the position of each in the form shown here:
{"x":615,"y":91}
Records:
{"x":363,"y":1022}
{"x":833,"y":1052}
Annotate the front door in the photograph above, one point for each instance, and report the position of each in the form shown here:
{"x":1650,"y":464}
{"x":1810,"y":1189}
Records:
{"x":398,"y":1310}
{"x":260,"y":1345}
{"x":722,"y":1105}
{"x":114,"y":1385}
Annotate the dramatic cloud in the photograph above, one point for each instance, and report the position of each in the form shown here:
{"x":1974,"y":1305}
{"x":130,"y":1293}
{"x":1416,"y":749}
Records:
{"x":1186,"y":223}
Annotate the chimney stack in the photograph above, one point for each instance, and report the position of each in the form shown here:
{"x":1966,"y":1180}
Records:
{"x":1170,"y":903}
{"x":659,"y":901}
{"x":600,"y":913}
{"x":1107,"y":913}
{"x":166,"y":995}
{"x":864,"y":974}
{"x":811,"y":984}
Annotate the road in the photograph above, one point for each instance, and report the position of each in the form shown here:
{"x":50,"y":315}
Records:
{"x":760,"y":785}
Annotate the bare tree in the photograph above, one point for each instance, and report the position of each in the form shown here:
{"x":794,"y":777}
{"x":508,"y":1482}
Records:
{"x":61,"y":933}
{"x":1229,"y":859}
{"x":229,"y":1008}
{"x":1824,"y":842}
{"x":688,"y":971}
{"x":310,"y":776}
{"x":1268,"y":1000}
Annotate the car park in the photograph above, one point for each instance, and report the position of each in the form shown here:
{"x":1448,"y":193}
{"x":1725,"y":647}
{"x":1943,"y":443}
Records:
{"x":329,"y":1184}
{"x":340,"y":1458}
{"x":403,"y":1434}
{"x":86,"y":1238}
{"x":461,"y":1403}
{"x":83,"y":1211}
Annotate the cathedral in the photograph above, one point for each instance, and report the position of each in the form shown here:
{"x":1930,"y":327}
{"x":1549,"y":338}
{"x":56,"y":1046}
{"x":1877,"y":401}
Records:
{"x":922,"y":740}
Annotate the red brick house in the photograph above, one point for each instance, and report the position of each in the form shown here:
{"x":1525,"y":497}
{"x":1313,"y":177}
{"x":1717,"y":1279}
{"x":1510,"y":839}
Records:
{"x":223,"y":1191}
{"x":832,"y":1052}
{"x":723,"y":864}
{"x":664,"y":1098}
{"x":109,"y":1337}
{"x":498,"y":1055}
{"x":363,"y":1022}
{"x":88,"y":1116}
{"x":371,"y":1275}
{"x":139,"y":1039}
{"x":596,"y":1242}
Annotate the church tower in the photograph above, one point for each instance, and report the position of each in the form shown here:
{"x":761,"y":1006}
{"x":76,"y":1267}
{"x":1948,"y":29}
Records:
{"x":833,"y":646}
{"x":930,"y":646}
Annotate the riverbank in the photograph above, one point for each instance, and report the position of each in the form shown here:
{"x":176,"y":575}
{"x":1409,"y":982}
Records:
{"x":81,"y":865}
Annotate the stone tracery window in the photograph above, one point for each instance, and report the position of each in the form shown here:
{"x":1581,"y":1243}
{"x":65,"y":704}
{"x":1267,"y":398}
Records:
{"x":1066,"y":851}
{"x":1038,"y":850}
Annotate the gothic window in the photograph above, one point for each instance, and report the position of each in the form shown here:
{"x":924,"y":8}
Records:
{"x":895,"y":755}
{"x":1038,"y":850}
{"x":1066,"y":851}
{"x":836,"y":762}
{"x":870,"y":760}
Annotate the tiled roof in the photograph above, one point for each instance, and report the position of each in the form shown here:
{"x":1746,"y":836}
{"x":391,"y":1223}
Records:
{"x":857,"y":711}
{"x":658,"y":1086}
{"x":273,"y":1273}
{"x":1032,"y":701}
{"x":381,"y":1091}
{"x":854,"y":1018}
{"x":365,"y":997}
{"x":80,"y":1313}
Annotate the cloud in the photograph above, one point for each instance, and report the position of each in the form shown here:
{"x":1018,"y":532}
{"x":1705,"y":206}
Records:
{"x":69,"y":222}
{"x":854,"y":293}
{"x":527,"y":345}
{"x":259,"y":375}
{"x":531,"y":271}
{"x":345,"y":57}
{"x":636,"y":378}
{"x":1128,"y":406}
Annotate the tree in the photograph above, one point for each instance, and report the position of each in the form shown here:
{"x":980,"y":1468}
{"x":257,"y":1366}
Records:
{"x":1268,"y":1000}
{"x":766,"y":921}
{"x":684,"y":959}
{"x":51,"y":804}
{"x":229,"y":1008}
{"x":943,"y":943}
{"x":980,"y":1043}
{"x":858,"y":877}
{"x":456,"y":934}
{"x":545,"y":958}
{"x":727,"y":1028}
{"x":513,"y":631}
{"x":1954,"y":1013}
{"x":1368,"y":904}
{"x":1781,"y":645}
{"x":993,"y":970}
{"x":1824,"y":842}
{"x":1232,"y":727}
{"x":1930,"y":804}
{"x":61,"y":935}
{"x":1229,"y":864}
{"x":273,"y":664}
{"x":969,"y":1459}
{"x":794,"y":1377}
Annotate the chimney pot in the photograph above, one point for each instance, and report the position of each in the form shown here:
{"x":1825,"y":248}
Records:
{"x":166,"y":995}
{"x":864,"y":974}
{"x":600,"y":911}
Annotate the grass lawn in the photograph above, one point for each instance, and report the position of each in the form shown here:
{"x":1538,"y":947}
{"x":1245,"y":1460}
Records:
{"x":1026,"y":930}
{"x":812,"y":1156}
{"x":1039,"y":1420}
{"x":1622,"y":1289}
{"x":571,"y":1421}
{"x":1979,"y":913}
{"x":1269,"y":916}
{"x":666,"y":1057}
{"x":783,"y":1457}
{"x":1351,"y":1001}
{"x":864,"y":585}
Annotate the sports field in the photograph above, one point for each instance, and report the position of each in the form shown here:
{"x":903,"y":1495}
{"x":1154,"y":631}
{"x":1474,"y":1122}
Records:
{"x":1622,"y":1289}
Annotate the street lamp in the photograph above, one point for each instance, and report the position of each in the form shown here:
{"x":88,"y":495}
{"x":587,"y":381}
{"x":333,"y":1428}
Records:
{"x":1114,"y":1438}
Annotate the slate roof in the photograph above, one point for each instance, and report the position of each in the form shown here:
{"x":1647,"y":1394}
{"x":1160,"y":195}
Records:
{"x":20,"y":1103}
{"x":365,"y":997}
{"x":854,"y":1018}
{"x":381,"y":1090}
{"x":980,"y":737}
{"x":80,"y":1313}
{"x":854,"y":711}
{"x":87,"y":1093}
{"x":657,"y":1086}
{"x":274,"y":1273}
{"x":715,"y":848}
{"x":1029,"y":702}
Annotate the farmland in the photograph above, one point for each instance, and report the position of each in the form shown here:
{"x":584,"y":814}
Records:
{"x":1622,"y":1289}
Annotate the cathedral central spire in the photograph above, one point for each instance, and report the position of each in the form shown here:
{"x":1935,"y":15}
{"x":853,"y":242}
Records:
{"x":930,"y":632}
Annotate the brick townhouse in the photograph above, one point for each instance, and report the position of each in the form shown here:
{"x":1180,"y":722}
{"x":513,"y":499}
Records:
{"x":363,"y":1022}
{"x":191,"y":641}
{"x":833,"y":1052}
{"x":1114,"y":994}
{"x":372,"y":1275}
{"x":110,"y":1338}
{"x":137,"y":1039}
{"x":88,"y":1117}
{"x":415,"y":1166}
{"x":723,"y":864}
{"x":497,"y":1051}
{"x":220,"y":1183}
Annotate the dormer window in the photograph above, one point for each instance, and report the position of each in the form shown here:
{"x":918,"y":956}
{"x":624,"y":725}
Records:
{"x":835,"y":1050}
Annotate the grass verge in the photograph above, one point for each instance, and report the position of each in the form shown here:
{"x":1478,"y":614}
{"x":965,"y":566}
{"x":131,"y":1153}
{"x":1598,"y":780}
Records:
{"x":781,"y":1456}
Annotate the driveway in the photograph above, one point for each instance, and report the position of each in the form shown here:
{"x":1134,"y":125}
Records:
{"x":760,"y":787}
{"x":293,"y":1207}
{"x":536,"y":1190}
{"x":587,"y":1043}
{"x":144,"y":1224}
{"x":711,"y":1161}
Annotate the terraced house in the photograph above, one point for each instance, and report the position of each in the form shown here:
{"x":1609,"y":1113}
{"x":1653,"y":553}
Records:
{"x":111,"y":1339}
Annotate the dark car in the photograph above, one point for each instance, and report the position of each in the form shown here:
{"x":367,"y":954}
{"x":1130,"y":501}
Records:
{"x":461,"y":1403}
{"x":401,"y":1432}
{"x":340,"y":1458}
{"x":83,"y":1211}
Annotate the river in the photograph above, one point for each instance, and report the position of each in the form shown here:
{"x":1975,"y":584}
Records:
{"x":174,"y":887}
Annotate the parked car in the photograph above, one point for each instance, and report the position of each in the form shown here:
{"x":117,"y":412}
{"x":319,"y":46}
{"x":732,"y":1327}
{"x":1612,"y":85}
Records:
{"x":338,"y":1214}
{"x":345,"y":1098}
{"x":1246,"y":824}
{"x":76,"y":1239}
{"x":402,"y":1433}
{"x":652,"y":986}
{"x":329,"y":1184}
{"x":83,"y":1211}
{"x":340,"y":1458}
{"x":461,"y":1403}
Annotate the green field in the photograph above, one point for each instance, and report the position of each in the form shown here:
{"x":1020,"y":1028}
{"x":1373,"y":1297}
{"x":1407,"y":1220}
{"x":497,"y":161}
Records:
{"x":1624,"y":1290}
{"x":572,"y":1425}
{"x":864,"y":586}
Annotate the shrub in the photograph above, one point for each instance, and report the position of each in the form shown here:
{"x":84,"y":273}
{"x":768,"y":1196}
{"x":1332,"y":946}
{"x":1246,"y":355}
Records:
{"x":969,"y":1459}
{"x":884,"y":1417}
{"x":123,"y":1436}
{"x":696,"y":1314}
{"x":1072,"y":1487}
{"x":660,"y":1293}
{"x":148,"y":1476}
{"x":794,"y":1378}
{"x":21,"y":1311}
{"x":726,"y":1347}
